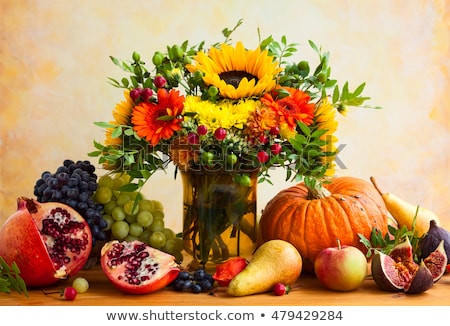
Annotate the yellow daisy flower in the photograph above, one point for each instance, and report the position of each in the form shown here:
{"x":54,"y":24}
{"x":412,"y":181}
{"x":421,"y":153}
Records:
{"x":224,"y":114}
{"x":237,"y":72}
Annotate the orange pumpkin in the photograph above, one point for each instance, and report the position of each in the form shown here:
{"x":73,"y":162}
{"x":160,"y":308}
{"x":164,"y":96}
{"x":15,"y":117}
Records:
{"x":313,"y":221}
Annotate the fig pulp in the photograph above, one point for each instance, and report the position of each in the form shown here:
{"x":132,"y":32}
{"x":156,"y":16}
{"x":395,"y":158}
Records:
{"x":397,"y":271}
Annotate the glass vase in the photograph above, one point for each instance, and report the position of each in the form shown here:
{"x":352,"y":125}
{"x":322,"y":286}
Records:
{"x":219,"y":216}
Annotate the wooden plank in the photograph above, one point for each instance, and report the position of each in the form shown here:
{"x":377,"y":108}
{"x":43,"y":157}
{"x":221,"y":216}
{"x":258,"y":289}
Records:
{"x":306,"y":292}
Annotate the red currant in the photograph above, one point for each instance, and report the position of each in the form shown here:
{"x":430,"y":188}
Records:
{"x":281,"y":289}
{"x":69,"y":293}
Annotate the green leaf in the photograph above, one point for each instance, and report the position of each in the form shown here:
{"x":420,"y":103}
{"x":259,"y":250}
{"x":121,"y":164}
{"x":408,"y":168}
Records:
{"x":117,"y":132}
{"x":304,"y":128}
{"x":129,"y":187}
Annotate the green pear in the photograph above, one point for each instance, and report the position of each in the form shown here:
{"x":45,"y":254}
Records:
{"x":275,"y":261}
{"x":404,"y":212}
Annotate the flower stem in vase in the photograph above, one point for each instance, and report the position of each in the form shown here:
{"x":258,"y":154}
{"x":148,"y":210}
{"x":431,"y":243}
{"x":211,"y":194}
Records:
{"x":219,"y":216}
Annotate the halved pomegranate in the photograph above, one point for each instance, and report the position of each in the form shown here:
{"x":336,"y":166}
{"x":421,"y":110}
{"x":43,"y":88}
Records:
{"x":48,"y":241}
{"x":136,"y":268}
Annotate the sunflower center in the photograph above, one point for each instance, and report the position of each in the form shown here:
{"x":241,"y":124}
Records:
{"x":234,"y":77}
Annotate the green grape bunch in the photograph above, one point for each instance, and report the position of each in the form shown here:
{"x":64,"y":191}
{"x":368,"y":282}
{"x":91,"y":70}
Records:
{"x":130,"y":216}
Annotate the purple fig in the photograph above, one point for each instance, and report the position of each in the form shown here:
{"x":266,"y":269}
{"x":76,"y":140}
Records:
{"x":432,"y":238}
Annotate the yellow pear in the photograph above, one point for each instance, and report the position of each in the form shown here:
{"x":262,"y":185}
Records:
{"x":275,"y":261}
{"x":404,"y":212}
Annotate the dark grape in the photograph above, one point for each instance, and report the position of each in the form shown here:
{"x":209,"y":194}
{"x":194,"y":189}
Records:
{"x":73,"y":184}
{"x":197,"y":281}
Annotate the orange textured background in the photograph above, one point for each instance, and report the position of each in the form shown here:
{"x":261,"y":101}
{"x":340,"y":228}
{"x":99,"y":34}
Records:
{"x":54,"y":64}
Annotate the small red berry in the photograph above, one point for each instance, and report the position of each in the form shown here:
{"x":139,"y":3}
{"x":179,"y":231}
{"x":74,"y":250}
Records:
{"x":220,"y":133}
{"x":146,"y":94}
{"x":193,"y":138}
{"x":159,"y":81}
{"x":275,"y":149}
{"x":263,"y":139}
{"x":263,"y":157}
{"x":69,"y":293}
{"x":135,"y":93}
{"x":281,"y":289}
{"x":202,"y":130}
{"x":274,"y":130}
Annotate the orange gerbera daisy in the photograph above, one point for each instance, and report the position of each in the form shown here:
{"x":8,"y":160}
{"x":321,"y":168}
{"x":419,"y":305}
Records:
{"x":156,"y":121}
{"x":292,"y":108}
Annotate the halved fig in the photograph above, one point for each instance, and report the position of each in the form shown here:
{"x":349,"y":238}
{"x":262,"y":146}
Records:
{"x":436,"y":262}
{"x":421,"y":281}
{"x":397,"y":271}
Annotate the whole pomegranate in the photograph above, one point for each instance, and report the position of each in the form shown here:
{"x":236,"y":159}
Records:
{"x":48,"y":241}
{"x":135,"y":267}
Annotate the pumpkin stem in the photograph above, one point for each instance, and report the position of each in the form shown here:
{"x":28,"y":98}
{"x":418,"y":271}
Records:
{"x":316,"y":189}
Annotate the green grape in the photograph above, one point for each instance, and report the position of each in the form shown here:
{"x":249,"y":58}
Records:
{"x":170,"y":246}
{"x":157,"y":225}
{"x":105,"y":181}
{"x":157,"y":239}
{"x":158,"y":214}
{"x":122,"y":198}
{"x":103,"y":195}
{"x":108,"y":207}
{"x":130,"y":238}
{"x":145,"y":236}
{"x":120,"y":181}
{"x":109,"y":220}
{"x":146,"y":205}
{"x":118,"y":214}
{"x":144,"y":218}
{"x":80,"y":284}
{"x":168,"y":233}
{"x":131,"y":218}
{"x":135,"y":229}
{"x":179,"y":244}
{"x":157,"y":205}
{"x":119,"y":230}
{"x":131,"y":207}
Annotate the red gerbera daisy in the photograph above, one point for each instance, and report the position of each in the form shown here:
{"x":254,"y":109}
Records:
{"x":292,"y":108}
{"x":156,"y":121}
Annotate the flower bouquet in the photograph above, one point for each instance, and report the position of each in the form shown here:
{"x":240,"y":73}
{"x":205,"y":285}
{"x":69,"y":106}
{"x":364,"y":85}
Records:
{"x":225,"y":115}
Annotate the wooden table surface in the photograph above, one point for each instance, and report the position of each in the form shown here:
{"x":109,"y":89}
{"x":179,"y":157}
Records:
{"x":306,"y":292}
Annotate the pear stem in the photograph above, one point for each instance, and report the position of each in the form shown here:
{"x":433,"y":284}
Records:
{"x":372,"y":179}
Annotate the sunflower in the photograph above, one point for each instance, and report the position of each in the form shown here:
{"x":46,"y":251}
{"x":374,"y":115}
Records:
{"x":156,"y":121}
{"x":236,"y":71}
{"x":325,"y":120}
{"x":122,"y":115}
{"x":292,"y":108}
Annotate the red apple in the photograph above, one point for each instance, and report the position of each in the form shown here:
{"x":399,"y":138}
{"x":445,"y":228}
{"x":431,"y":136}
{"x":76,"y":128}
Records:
{"x":341,"y":268}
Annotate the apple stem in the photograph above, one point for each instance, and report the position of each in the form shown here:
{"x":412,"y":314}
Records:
{"x":338,"y":243}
